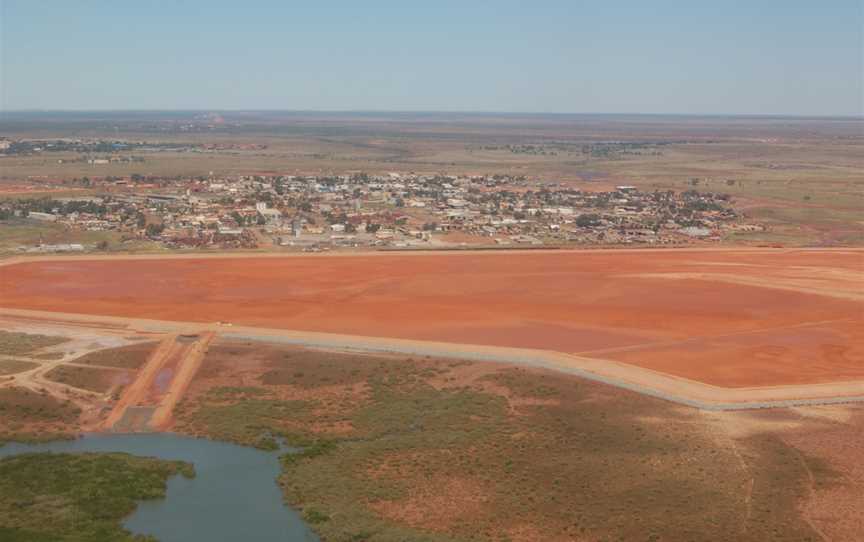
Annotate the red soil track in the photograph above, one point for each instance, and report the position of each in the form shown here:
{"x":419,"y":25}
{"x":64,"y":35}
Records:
{"x":731,"y":318}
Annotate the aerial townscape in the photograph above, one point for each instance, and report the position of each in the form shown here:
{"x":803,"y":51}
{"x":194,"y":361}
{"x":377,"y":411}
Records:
{"x":431,"y":272}
{"x":386,"y":210}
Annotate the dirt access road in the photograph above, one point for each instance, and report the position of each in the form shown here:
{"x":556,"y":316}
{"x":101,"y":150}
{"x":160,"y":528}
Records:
{"x":646,"y":381}
{"x":148,"y":402}
{"x":80,"y":341}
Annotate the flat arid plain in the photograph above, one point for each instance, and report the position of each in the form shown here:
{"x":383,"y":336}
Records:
{"x":732,"y":318}
{"x":706,"y":392}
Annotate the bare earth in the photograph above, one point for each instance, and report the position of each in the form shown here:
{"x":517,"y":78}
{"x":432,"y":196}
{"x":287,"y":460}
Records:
{"x":726,"y":318}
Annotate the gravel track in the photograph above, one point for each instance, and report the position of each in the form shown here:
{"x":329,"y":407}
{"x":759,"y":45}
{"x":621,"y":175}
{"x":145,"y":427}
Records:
{"x":629,"y":377}
{"x":538,"y":360}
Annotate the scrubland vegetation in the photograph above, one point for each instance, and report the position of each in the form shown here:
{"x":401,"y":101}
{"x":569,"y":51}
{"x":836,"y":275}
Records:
{"x":27,"y":415}
{"x":18,"y":344}
{"x":124,"y":357}
{"x":442,"y":450}
{"x":75,"y":497}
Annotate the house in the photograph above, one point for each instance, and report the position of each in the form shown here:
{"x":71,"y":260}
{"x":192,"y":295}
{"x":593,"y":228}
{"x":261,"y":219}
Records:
{"x":36,"y":215}
{"x":693,"y":231}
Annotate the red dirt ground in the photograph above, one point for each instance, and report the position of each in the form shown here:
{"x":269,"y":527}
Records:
{"x":724,"y":317}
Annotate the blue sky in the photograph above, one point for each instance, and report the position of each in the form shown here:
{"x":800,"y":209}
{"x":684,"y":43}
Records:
{"x":664,"y":56}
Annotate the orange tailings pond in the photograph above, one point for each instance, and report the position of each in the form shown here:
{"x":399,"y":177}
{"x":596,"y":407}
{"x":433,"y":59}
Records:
{"x":732,"y":318}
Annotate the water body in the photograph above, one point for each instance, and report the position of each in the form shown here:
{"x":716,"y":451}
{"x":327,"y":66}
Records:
{"x":234,"y":495}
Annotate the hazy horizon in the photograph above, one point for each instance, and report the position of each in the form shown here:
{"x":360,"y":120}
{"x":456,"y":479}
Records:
{"x":765,"y":116}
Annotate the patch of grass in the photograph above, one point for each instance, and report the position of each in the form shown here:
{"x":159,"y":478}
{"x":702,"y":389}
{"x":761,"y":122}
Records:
{"x":315,"y":517}
{"x":35,"y":438}
{"x":124,"y":357}
{"x":535,"y":388}
{"x":251,"y":422}
{"x":780,"y":483}
{"x":311,"y":369}
{"x":13,"y":343}
{"x":267,"y":443}
{"x":25,"y":406}
{"x":26,"y":232}
{"x":308,"y":450}
{"x":332,"y":475}
{"x":235,"y":392}
{"x":93,"y":379}
{"x":32,"y":417}
{"x":824,"y":475}
{"x":77,"y":496}
{"x":12,"y":366}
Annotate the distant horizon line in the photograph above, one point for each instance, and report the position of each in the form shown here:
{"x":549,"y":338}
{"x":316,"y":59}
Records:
{"x":446,"y":112}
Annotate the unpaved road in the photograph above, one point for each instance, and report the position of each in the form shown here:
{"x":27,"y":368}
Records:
{"x":611,"y":372}
{"x":137,"y":391}
{"x":188,"y":365}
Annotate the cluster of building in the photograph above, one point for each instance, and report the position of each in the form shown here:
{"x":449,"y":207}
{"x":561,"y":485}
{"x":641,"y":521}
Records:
{"x":392,"y":210}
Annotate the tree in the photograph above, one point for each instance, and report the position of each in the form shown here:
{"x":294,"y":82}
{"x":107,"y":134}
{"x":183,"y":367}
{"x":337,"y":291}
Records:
{"x":153,"y":230}
{"x":588,"y":220}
